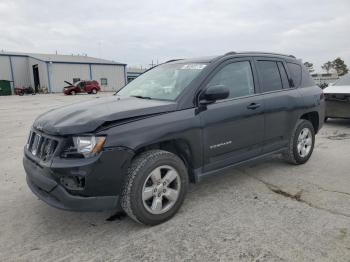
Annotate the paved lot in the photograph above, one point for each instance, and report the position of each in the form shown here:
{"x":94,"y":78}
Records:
{"x":271,"y":211}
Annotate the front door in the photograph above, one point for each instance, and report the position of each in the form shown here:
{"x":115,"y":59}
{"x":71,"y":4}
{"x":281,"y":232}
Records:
{"x":233,"y":129}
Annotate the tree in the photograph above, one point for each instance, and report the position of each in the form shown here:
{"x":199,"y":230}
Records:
{"x":340,"y":66}
{"x":327,"y":66}
{"x":309,"y":66}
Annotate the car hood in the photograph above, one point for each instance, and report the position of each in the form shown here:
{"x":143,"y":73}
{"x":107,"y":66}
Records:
{"x":337,"y":90}
{"x":88,"y":116}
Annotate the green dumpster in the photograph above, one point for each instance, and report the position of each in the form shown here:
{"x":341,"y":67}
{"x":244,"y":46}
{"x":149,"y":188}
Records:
{"x":5,"y":88}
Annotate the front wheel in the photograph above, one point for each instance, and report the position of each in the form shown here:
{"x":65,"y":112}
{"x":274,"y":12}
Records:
{"x":73,"y":93}
{"x":155,"y":187}
{"x":301,"y":143}
{"x":94,"y":91}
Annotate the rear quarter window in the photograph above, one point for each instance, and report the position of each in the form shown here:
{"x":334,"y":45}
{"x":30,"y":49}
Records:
{"x":295,"y":74}
{"x":306,"y":79}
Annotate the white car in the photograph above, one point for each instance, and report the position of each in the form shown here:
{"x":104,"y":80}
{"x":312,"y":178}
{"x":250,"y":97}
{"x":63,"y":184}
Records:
{"x":338,"y":98}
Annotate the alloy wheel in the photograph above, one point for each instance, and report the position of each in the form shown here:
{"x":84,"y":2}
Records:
{"x":161,"y":189}
{"x":304,"y":143}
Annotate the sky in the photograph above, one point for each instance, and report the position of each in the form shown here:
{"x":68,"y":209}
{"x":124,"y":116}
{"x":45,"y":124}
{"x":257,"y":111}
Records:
{"x":137,"y":32}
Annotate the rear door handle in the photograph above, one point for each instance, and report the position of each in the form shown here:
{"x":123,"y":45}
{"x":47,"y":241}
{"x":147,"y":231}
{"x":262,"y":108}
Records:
{"x":253,"y":106}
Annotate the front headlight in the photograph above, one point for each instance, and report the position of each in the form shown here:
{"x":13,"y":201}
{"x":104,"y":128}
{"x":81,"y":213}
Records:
{"x":88,"y":145}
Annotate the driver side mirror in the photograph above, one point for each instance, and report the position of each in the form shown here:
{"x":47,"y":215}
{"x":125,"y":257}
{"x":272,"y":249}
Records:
{"x":214,"y":93}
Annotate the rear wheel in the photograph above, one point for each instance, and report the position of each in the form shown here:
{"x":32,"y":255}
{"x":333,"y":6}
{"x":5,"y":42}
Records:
{"x":301,"y":143}
{"x":94,"y":91}
{"x":155,"y":187}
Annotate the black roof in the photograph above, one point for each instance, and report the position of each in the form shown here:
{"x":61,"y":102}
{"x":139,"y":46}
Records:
{"x":209,"y":59}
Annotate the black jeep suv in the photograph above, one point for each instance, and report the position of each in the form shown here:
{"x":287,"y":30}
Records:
{"x":177,"y":123}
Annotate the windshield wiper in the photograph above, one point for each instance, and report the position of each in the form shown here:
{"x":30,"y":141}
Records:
{"x":143,"y":97}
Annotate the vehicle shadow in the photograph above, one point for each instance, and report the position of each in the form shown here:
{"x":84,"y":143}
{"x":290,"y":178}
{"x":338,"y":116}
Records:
{"x":209,"y":190}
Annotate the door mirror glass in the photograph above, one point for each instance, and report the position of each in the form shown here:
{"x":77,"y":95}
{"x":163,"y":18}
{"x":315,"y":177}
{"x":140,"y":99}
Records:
{"x":217,"y":92}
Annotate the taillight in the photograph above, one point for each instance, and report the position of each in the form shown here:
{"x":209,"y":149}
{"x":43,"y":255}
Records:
{"x":322,"y":95}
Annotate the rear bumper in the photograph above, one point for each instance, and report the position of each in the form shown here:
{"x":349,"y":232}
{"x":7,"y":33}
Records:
{"x":336,"y":109}
{"x":49,"y":191}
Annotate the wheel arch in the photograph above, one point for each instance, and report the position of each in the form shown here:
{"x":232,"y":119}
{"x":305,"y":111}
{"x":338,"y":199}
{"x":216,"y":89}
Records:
{"x":179,"y":147}
{"x":314,"y":118}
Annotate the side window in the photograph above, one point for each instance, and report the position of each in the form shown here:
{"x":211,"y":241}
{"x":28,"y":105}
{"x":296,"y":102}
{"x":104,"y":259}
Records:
{"x":295,"y":74}
{"x":283,"y":74}
{"x":270,"y":76}
{"x":237,"y":77}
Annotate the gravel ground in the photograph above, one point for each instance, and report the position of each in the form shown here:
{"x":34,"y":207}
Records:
{"x":271,"y":211}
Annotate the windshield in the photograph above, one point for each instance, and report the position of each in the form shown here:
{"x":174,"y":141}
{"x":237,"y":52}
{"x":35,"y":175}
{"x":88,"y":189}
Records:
{"x":343,"y":81}
{"x":165,"y":82}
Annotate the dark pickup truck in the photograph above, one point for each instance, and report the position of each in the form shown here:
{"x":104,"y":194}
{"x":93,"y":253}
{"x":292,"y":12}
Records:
{"x":177,"y":123}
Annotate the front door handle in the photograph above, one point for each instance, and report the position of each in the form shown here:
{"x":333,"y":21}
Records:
{"x":253,"y":106}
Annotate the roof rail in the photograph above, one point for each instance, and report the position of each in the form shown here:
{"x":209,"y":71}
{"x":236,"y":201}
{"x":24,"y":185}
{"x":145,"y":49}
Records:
{"x":230,"y":53}
{"x":267,"y":53}
{"x":173,"y":60}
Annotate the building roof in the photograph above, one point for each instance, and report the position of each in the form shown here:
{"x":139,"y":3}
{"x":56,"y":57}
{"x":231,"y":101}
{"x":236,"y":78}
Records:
{"x":69,"y":59}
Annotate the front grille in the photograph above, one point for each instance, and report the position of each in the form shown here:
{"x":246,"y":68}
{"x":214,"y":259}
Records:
{"x":41,"y":146}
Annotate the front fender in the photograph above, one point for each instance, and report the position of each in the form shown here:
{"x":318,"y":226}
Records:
{"x":181,"y":125}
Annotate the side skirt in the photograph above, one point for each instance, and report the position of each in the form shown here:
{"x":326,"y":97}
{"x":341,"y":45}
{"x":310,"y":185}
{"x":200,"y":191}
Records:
{"x":199,"y":175}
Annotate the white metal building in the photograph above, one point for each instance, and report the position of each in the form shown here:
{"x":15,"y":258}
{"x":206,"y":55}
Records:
{"x":325,"y":78}
{"x":134,"y":72}
{"x":50,"y":71}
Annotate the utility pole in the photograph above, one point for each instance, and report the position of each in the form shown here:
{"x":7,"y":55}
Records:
{"x":99,"y":48}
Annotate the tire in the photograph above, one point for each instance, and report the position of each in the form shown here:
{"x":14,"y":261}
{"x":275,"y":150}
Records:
{"x":325,"y":119}
{"x":94,"y":91}
{"x":73,"y":93}
{"x":294,"y":155}
{"x":142,"y":208}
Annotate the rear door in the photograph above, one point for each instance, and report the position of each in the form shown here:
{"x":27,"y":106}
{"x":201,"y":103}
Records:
{"x":86,"y":86}
{"x":233,"y":128}
{"x":281,"y":102}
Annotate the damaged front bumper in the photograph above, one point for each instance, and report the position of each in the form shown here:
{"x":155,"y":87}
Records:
{"x":102,"y":180}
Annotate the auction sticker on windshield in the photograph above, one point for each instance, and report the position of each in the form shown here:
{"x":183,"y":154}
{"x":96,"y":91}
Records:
{"x":194,"y":66}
